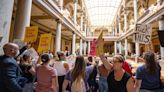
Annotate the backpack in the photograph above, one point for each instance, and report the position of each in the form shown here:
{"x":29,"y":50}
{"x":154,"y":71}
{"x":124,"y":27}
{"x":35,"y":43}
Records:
{"x":78,"y":85}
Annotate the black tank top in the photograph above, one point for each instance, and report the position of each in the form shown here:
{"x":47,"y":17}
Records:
{"x":117,"y":86}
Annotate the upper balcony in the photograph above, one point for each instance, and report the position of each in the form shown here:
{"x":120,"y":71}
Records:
{"x":152,"y":13}
{"x":106,"y":36}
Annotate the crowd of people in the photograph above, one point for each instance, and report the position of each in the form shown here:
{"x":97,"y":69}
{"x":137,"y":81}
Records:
{"x":112,"y":74}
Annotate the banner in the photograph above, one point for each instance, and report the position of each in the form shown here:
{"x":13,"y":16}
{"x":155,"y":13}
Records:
{"x":44,"y":43}
{"x":93,"y":48}
{"x":142,"y":34}
{"x":31,"y":34}
{"x":100,"y":45}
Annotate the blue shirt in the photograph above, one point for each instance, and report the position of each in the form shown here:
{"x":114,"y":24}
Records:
{"x":149,"y":81}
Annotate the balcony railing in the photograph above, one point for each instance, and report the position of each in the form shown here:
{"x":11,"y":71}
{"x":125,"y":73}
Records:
{"x":104,"y":35}
{"x":151,"y":10}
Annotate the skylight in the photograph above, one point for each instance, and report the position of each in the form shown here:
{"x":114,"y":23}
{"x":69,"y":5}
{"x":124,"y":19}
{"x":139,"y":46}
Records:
{"x":102,"y":12}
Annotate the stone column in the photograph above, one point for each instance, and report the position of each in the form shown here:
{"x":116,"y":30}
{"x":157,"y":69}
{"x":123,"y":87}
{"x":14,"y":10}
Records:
{"x":81,"y":46}
{"x":115,"y":28}
{"x":85,"y":45}
{"x":120,"y":48}
{"x":126,"y":47}
{"x":89,"y":47}
{"x":6,"y":10}
{"x":81,"y":24}
{"x":58,"y":36}
{"x":135,"y":11}
{"x":74,"y":44}
{"x":75,"y":11}
{"x":61,"y":4}
{"x":115,"y":47}
{"x":22,"y":18}
{"x":161,"y":27}
{"x":137,"y":47}
{"x":119,"y":25}
{"x":85,"y":27}
{"x":125,"y":21}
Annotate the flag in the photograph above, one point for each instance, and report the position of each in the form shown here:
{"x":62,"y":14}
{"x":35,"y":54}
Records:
{"x":93,"y":48}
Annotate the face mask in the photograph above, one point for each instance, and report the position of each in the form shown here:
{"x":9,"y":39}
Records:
{"x":17,"y":53}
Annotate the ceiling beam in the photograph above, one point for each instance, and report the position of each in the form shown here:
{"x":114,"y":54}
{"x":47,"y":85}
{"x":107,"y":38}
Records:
{"x":46,"y":29}
{"x":41,"y":17}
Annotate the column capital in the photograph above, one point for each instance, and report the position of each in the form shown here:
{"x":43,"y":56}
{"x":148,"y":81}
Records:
{"x":119,"y":19}
{"x":58,"y":21}
{"x":73,"y":32}
{"x":81,"y":13}
{"x":161,"y":17}
{"x":125,"y":9}
{"x":75,"y":1}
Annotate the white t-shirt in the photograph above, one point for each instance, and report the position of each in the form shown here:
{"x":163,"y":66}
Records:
{"x":59,"y":66}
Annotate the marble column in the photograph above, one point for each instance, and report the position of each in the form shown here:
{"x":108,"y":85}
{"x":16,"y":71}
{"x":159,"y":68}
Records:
{"x":126,"y":47}
{"x":6,"y":10}
{"x":135,"y":11}
{"x":58,"y":36}
{"x":119,"y":25}
{"x":125,"y":21}
{"x":81,"y":46}
{"x":75,"y":11}
{"x":89,"y":47}
{"x":137,"y":47}
{"x":161,"y":27}
{"x":61,"y":4}
{"x":22,"y":18}
{"x":81,"y":24}
{"x":115,"y":47}
{"x":74,"y":44}
{"x":85,"y":46}
{"x":120,"y":48}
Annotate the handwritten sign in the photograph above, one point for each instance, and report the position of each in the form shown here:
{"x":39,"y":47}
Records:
{"x":44,"y":43}
{"x":31,"y":34}
{"x":100,"y":45}
{"x":142,"y":34}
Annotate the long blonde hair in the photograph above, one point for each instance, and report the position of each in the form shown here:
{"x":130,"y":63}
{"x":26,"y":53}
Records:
{"x":79,"y":68}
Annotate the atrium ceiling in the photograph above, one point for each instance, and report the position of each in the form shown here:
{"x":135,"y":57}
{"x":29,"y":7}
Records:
{"x":102,"y":12}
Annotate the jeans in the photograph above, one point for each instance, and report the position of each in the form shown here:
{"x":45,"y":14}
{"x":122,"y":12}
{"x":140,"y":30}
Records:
{"x":29,"y":87}
{"x":103,"y":85}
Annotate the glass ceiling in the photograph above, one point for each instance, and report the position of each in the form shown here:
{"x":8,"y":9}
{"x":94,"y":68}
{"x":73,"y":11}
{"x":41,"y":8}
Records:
{"x":102,"y":12}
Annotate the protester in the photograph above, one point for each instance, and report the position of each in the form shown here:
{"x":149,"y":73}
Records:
{"x":102,"y":82}
{"x":92,"y":80}
{"x":46,"y":76}
{"x":118,"y":80}
{"x":126,"y":66}
{"x":148,"y":75}
{"x":79,"y":71}
{"x":9,"y":69}
{"x":27,"y":70}
{"x":62,"y":68}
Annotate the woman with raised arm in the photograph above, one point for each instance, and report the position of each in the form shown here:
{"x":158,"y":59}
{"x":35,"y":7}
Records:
{"x":118,"y":80}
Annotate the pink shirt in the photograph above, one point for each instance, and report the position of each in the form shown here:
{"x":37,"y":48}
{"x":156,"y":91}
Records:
{"x":44,"y":78}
